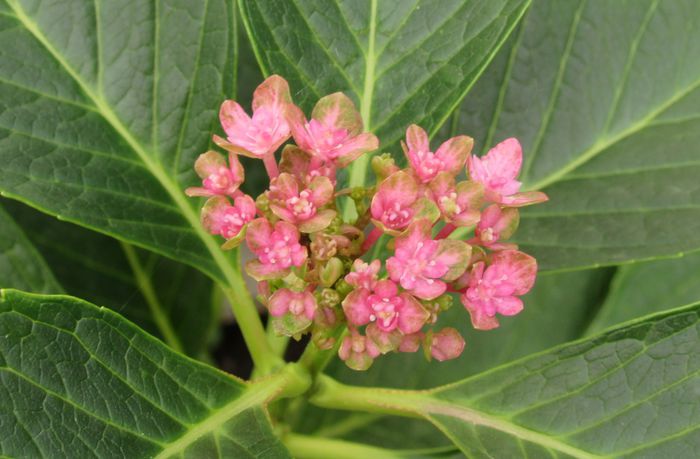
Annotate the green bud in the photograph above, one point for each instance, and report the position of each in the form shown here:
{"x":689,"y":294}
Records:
{"x":330,"y":273}
{"x":383,"y":166}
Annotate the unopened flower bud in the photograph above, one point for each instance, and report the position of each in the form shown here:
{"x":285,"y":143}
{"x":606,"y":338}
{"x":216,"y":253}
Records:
{"x":331,"y":272}
{"x":383,"y":166}
{"x":446,"y":344}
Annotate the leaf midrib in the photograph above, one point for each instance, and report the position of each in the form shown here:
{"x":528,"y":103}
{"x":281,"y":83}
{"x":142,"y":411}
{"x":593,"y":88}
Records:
{"x":153,"y":167}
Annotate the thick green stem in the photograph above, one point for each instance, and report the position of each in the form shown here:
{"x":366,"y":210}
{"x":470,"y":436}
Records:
{"x":330,"y":393}
{"x":304,"y":447}
{"x":251,"y":327}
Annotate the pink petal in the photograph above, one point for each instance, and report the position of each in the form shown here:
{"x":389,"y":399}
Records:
{"x":510,"y":305}
{"x":505,"y":159}
{"x":454,"y":152}
{"x":259,"y":235}
{"x":321,"y":191}
{"x":278,"y":303}
{"x":273,"y":91}
{"x":521,"y":267}
{"x":338,"y":111}
{"x":412,"y":315}
{"x":416,"y":141}
{"x":356,"y":147}
{"x":428,"y":289}
{"x":283,"y":187}
{"x":318,"y":222}
{"x":209,"y":163}
{"x":234,"y":120}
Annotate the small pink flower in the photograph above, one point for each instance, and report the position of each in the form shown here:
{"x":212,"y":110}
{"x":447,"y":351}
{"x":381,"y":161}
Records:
{"x":302,"y":205}
{"x":447,"y":344}
{"x":398,"y":202}
{"x":498,"y":170}
{"x":260,"y":135}
{"x":364,"y":275}
{"x":385,"y":307}
{"x":357,"y":351}
{"x":496,"y":224}
{"x":334,"y":133}
{"x":459,"y":203}
{"x":495,"y":289}
{"x":299,"y":304}
{"x":222,"y":218}
{"x":218,"y":178}
{"x":277,"y":249}
{"x":292,"y":312}
{"x":450,"y":157}
{"x":420,"y":264}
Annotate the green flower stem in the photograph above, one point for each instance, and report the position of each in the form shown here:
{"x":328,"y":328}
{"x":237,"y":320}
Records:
{"x":329,"y":393}
{"x":305,"y":447}
{"x":315,"y":359}
{"x":143,"y":281}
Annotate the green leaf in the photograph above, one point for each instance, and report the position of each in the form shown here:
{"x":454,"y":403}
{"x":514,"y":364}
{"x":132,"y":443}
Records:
{"x":21,"y":266}
{"x":104,"y":110}
{"x":165,"y":298}
{"x":645,"y":288}
{"x":604,"y":98}
{"x":83,"y":382}
{"x":402,"y":62}
{"x":629,"y":392}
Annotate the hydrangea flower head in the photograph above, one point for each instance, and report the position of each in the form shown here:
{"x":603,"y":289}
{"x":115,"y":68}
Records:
{"x":320,"y":271}
{"x":449,"y":157}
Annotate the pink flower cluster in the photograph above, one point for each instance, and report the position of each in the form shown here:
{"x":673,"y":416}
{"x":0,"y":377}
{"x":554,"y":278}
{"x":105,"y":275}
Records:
{"x":309,"y":261}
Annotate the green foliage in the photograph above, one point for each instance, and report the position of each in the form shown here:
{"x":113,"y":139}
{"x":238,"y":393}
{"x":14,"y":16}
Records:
{"x":84,"y":382}
{"x":165,"y":298}
{"x":604,"y":98}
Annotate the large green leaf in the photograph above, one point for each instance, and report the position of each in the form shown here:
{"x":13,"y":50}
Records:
{"x":630,"y":392}
{"x":80,"y":381}
{"x":165,"y":298}
{"x":644,"y":288}
{"x":104,"y":107}
{"x":21,"y":266}
{"x":604,"y":97}
{"x":401,"y":61}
